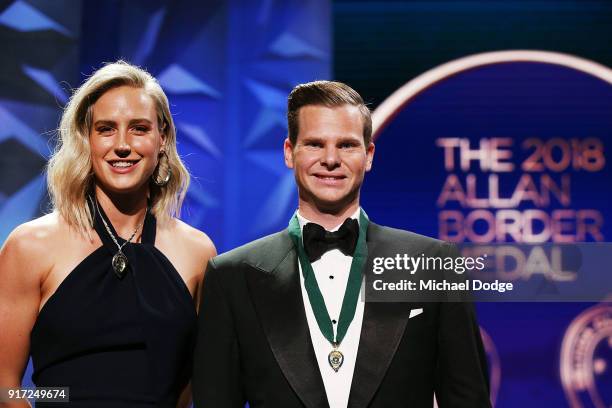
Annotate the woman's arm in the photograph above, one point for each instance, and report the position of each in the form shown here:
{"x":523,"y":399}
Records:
{"x":21,"y":266}
{"x":202,"y":248}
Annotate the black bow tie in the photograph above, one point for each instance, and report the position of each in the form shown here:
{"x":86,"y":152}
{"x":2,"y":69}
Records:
{"x":318,"y":241}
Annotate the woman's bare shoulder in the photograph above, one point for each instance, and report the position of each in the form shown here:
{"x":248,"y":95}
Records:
{"x":36,"y":234}
{"x":192,"y":238}
{"x":29,"y":245}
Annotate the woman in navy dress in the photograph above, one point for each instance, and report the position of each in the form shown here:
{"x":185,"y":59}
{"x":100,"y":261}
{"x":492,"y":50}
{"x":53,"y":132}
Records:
{"x":101,"y":292}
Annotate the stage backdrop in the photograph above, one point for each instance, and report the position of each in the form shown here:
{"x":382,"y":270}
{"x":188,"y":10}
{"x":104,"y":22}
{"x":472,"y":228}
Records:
{"x":227,"y":67}
{"x":480,"y":141}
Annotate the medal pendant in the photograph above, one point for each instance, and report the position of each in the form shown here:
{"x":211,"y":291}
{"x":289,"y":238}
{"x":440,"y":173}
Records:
{"x":335,"y":358}
{"x":120,"y":263}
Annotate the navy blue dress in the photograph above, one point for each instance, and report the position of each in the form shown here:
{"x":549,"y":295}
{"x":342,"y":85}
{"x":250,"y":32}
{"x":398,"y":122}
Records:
{"x":117,"y":342}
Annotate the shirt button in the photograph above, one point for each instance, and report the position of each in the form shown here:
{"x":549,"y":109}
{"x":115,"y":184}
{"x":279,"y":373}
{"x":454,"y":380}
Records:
{"x":334,"y":321}
{"x":331,"y":276}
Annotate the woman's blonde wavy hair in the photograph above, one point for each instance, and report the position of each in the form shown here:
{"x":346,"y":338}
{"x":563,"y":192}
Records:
{"x":69,"y":172}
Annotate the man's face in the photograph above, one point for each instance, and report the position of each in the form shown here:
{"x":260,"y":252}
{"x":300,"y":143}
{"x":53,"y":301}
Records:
{"x":329,"y":157}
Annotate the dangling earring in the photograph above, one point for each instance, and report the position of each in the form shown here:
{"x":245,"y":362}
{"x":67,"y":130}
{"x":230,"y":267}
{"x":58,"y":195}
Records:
{"x":157,"y":179}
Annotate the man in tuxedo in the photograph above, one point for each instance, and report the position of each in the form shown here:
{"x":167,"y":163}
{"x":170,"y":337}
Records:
{"x":281,"y":324}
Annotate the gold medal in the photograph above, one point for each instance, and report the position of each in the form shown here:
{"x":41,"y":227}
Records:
{"x":335,"y":358}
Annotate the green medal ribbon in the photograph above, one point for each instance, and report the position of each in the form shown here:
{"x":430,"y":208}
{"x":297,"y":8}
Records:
{"x":349,"y":303}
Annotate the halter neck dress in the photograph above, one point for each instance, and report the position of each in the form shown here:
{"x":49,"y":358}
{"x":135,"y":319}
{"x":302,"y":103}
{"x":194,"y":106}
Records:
{"x":117,"y":342}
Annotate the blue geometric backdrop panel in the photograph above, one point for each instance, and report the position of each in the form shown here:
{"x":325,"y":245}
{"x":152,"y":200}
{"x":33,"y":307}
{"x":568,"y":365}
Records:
{"x":40,"y":42}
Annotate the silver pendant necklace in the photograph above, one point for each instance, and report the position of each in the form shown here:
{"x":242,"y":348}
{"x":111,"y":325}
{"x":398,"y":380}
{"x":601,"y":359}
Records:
{"x":119,"y":261}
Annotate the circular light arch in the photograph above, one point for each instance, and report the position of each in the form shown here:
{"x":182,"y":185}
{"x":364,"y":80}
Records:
{"x":387,"y":110}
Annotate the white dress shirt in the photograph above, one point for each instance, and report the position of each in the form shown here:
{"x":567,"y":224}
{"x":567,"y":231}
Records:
{"x":332,"y":272}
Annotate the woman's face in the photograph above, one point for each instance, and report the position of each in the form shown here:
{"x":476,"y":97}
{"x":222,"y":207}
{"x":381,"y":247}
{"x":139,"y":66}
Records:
{"x":125,"y":140}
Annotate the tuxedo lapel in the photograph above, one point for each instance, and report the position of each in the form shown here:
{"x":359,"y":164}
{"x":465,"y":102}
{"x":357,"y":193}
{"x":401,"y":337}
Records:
{"x":274,"y":285}
{"x":381,"y":332}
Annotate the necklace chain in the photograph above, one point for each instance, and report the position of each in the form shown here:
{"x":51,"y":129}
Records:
{"x":95,"y":202}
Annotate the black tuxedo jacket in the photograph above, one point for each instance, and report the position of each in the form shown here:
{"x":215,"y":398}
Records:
{"x":254,"y":343}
